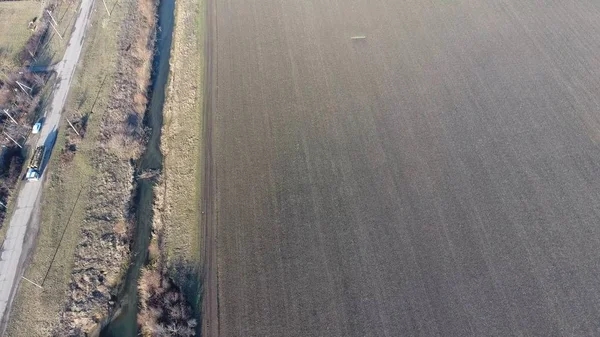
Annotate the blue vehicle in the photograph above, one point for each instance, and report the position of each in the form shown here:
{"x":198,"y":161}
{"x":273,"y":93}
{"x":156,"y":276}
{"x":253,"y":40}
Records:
{"x":36,"y":128}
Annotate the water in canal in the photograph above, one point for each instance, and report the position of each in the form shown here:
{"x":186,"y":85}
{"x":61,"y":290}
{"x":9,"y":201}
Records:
{"x":124,"y":323}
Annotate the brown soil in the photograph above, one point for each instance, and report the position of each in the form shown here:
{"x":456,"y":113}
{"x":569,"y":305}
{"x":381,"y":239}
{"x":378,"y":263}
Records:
{"x":438,"y":178}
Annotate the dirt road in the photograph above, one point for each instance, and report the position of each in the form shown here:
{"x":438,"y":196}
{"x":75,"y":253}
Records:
{"x":14,"y":252}
{"x":439,"y":178}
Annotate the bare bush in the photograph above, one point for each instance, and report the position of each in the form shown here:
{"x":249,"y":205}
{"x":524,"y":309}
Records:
{"x":163,"y":309}
{"x":10,"y":170}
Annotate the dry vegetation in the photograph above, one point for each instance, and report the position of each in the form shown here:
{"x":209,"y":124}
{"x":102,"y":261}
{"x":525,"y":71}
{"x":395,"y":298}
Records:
{"x":74,"y":134}
{"x":27,"y":49}
{"x":10,"y":171}
{"x":90,"y":181}
{"x":168,"y":287}
{"x":164,"y":309}
{"x":178,"y":192}
{"x":100,"y":254}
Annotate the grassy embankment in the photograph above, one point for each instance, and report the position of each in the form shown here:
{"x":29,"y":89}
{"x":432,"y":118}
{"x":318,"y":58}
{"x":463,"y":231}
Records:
{"x":178,"y":193}
{"x":14,"y":19}
{"x":65,"y":14}
{"x":76,"y":183}
{"x":175,"y":247}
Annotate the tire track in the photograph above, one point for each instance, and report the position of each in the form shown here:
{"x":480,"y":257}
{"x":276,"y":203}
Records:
{"x":209,"y":313}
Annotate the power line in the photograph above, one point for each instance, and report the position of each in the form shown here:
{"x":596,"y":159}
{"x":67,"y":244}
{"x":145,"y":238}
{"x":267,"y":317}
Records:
{"x":61,"y":237}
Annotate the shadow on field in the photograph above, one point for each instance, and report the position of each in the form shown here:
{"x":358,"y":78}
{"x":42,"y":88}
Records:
{"x":43,"y":103}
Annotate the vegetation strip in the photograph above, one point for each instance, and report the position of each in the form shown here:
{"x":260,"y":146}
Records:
{"x":78,"y":291}
{"x":175,"y":248}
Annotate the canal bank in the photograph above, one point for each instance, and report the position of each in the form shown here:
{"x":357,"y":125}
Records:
{"x":178,"y":204}
{"x":124,"y":320}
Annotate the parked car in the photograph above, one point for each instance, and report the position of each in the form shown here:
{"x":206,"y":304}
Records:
{"x":36,"y":128}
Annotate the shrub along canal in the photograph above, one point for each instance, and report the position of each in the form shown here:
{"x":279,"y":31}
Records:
{"x":124,"y":321}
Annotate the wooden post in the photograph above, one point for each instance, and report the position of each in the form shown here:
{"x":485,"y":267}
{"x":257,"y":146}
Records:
{"x":51,"y":17}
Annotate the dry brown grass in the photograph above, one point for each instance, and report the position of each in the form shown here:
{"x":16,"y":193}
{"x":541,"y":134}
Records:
{"x":94,"y":250}
{"x":120,"y":227}
{"x":174,"y":250}
{"x":104,"y":247}
{"x":144,"y":53}
{"x":163,"y":309}
{"x":36,"y":312}
{"x":178,"y":192}
{"x":153,"y":252}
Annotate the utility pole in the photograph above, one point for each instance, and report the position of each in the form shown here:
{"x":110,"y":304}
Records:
{"x":72,"y":127}
{"x":11,"y":138}
{"x":30,"y":281}
{"x":51,"y":17}
{"x":6,"y":112}
{"x":54,"y":24}
{"x":56,"y":30}
{"x":32,"y":55}
{"x":105,"y":6}
{"x":23,"y":86}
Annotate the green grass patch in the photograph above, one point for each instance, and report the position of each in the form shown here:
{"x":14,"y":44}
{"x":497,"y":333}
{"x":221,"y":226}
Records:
{"x":15,"y":17}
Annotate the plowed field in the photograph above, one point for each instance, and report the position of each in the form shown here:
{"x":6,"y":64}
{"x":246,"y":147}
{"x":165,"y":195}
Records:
{"x":440,"y":177}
